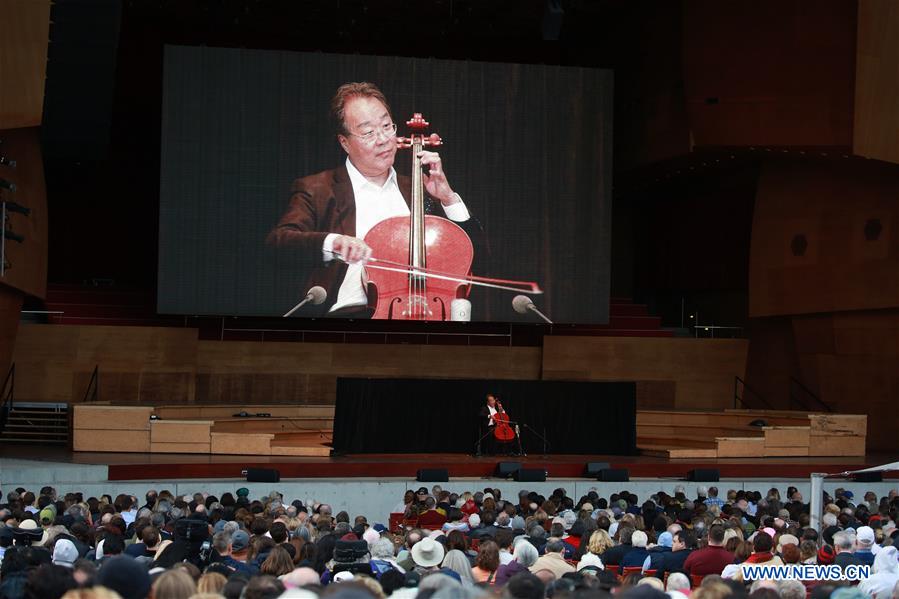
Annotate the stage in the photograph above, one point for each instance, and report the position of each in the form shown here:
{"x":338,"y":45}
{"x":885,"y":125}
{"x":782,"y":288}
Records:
{"x":156,"y":466}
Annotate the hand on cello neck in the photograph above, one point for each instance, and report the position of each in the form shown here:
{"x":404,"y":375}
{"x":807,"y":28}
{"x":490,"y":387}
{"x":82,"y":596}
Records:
{"x":351,"y":250}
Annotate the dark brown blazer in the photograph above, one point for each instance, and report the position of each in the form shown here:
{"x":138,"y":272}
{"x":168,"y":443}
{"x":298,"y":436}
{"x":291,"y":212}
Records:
{"x":324,"y":203}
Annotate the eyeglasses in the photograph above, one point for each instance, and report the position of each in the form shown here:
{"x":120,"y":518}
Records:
{"x":371,"y":137}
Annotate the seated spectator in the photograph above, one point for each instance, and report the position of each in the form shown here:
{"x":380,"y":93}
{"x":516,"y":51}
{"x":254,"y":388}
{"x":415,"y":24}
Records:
{"x":524,"y":555}
{"x":487,"y":563}
{"x":884,"y":580}
{"x":553,"y":560}
{"x":864,"y":545}
{"x":713,"y":558}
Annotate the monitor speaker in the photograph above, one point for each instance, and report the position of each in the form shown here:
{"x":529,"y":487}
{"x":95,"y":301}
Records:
{"x":263,"y":475}
{"x":704,"y":475}
{"x":592,"y":469}
{"x":507,"y":469}
{"x":618,"y":475}
{"x":530,"y":475}
{"x":432,"y":475}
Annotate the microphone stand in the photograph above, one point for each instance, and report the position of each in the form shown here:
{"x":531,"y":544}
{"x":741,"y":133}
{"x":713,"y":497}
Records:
{"x":542,"y":437}
{"x":305,"y":301}
{"x":477,"y":447}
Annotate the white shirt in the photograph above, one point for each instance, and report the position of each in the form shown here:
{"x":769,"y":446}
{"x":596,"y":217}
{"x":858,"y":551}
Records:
{"x":490,"y":415}
{"x":373,"y":204}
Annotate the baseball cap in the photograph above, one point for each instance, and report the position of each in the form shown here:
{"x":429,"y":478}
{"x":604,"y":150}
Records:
{"x":240,"y":540}
{"x":64,"y":553}
{"x":864,"y":535}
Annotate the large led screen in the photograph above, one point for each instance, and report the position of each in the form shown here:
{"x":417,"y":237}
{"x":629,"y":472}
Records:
{"x":267,"y":192}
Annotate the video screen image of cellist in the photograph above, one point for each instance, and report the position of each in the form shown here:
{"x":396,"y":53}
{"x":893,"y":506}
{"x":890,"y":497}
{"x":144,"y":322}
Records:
{"x":324,"y":185}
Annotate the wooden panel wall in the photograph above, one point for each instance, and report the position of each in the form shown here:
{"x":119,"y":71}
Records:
{"x":770,"y":72}
{"x":23,"y":61}
{"x":850,"y":360}
{"x":832,"y":204}
{"x":28,"y":259}
{"x":10,"y":308}
{"x":238,"y":372}
{"x":144,"y":365}
{"x":876,"y":130}
{"x":702,"y":370}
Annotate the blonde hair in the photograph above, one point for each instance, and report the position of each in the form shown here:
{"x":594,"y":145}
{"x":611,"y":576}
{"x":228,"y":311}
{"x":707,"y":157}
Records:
{"x":97,"y":592}
{"x":599,"y":542}
{"x":211,"y":582}
{"x":174,"y":584}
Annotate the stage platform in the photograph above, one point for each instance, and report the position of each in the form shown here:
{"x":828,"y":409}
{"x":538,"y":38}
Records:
{"x":156,"y":466}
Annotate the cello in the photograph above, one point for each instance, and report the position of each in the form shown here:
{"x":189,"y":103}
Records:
{"x":421,"y":243}
{"x":503,"y":432}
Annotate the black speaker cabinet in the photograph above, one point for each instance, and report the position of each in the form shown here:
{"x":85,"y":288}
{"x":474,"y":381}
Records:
{"x":530,"y":475}
{"x":704,"y":475}
{"x":432,"y":475}
{"x":592,"y":469}
{"x":868,"y":477}
{"x":263,"y":475}
{"x":507,"y":469}
{"x":618,"y":475}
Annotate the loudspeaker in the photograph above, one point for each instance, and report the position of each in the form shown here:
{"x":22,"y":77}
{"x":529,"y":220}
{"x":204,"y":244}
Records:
{"x":530,"y":475}
{"x":618,"y":475}
{"x":868,"y":477}
{"x":263,"y":475}
{"x":507,"y":469}
{"x":591,"y":469}
{"x":432,"y":475}
{"x":708,"y":475}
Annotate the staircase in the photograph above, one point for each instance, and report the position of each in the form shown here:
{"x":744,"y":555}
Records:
{"x":37,"y":423}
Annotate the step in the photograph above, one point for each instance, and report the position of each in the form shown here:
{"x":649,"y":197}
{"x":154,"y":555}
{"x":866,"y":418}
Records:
{"x":271,"y":425}
{"x":697,"y":431}
{"x":740,"y":447}
{"x":674,"y":453}
{"x":727,"y":419}
{"x":20,"y":439}
{"x":322,"y":451}
{"x":666,"y":442}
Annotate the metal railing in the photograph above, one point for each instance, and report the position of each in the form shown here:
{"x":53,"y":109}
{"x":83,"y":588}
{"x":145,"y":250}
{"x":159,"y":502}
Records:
{"x":93,"y":387}
{"x":7,"y":395}
{"x":739,"y":397}
{"x":797,"y":389}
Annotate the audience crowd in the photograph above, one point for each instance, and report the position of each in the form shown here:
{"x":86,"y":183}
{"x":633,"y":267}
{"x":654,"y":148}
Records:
{"x":443,"y":545}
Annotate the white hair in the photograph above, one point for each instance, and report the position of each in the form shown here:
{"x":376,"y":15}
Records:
{"x":677,"y":581}
{"x":382,"y":549}
{"x":790,"y":589}
{"x":525,"y":553}
{"x":829,"y":519}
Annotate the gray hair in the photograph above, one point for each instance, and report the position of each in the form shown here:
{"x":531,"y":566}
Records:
{"x":843,"y":540}
{"x":555,"y":546}
{"x":342,"y":528}
{"x":231,"y":527}
{"x":525,"y":553}
{"x":677,"y":581}
{"x":382,"y":549}
{"x":220,"y":541}
{"x":790,"y":589}
{"x":829,"y":519}
{"x":537,"y":531}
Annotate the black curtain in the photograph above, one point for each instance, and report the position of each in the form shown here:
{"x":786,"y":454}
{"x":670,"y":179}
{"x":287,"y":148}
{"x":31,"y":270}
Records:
{"x":442,"y":416}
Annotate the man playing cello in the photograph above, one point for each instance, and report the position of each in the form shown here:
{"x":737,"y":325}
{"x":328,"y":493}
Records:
{"x":495,"y":425}
{"x":330,"y":212}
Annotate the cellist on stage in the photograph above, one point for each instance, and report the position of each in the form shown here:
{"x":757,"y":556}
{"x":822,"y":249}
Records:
{"x":330,"y":212}
{"x":492,"y":415}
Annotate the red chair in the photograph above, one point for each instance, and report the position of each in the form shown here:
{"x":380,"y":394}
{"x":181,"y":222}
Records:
{"x":696,"y":580}
{"x":628,"y":570}
{"x":395,"y":521}
{"x":649,"y":573}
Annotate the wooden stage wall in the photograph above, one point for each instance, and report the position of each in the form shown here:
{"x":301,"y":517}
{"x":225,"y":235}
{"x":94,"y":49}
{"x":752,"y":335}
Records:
{"x":158,"y":366}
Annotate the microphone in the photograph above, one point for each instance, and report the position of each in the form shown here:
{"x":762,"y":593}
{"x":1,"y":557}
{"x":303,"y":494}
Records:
{"x":522,"y":303}
{"x":316,"y":295}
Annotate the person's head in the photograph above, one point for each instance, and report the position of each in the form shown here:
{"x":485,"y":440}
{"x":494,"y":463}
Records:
{"x":278,"y":562}
{"x":716,"y":535}
{"x":49,"y":581}
{"x":174,"y":584}
{"x":488,"y":556}
{"x":843,"y":541}
{"x":762,"y":543}
{"x":555,"y":546}
{"x":524,"y":552}
{"x":365,"y":129}
{"x":639,"y":539}
{"x":525,"y":585}
{"x":491,"y":399}
{"x":599,"y":542}
{"x":262,"y":587}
